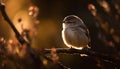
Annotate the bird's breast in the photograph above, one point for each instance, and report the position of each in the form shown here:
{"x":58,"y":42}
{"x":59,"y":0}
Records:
{"x":74,"y":37}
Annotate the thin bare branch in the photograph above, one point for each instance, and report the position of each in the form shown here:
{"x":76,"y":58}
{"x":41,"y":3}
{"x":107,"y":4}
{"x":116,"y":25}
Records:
{"x":31,"y":51}
{"x":104,"y":57}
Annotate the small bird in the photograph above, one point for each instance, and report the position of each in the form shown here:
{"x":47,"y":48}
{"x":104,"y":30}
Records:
{"x":75,"y":33}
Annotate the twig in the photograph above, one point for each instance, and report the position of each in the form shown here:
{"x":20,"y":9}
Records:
{"x":18,"y":36}
{"x":58,"y":62}
{"x":31,"y":51}
{"x":89,"y":52}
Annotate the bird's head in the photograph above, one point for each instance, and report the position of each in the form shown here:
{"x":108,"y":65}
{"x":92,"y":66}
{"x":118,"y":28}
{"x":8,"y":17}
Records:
{"x":72,"y":21}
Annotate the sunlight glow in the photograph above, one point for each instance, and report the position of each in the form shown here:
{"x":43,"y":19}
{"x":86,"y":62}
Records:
{"x":105,"y":5}
{"x":92,"y":8}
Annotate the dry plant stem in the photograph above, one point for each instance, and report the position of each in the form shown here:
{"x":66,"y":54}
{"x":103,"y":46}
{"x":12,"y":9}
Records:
{"x":20,"y":38}
{"x":89,"y":52}
{"x":58,"y":62}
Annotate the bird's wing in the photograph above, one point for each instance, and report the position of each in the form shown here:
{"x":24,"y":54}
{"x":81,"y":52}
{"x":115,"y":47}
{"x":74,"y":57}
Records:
{"x":72,"y":37}
{"x":85,"y":30}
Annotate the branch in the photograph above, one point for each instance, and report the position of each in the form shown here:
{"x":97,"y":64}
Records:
{"x":104,"y":57}
{"x":18,"y":36}
{"x":58,"y":62}
{"x":31,"y":51}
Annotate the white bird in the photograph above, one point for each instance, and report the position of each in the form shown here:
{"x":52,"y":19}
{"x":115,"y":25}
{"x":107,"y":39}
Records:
{"x":75,"y":33}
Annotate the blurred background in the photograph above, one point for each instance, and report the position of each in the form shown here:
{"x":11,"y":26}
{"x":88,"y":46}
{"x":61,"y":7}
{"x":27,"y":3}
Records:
{"x":44,"y":18}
